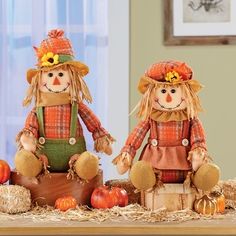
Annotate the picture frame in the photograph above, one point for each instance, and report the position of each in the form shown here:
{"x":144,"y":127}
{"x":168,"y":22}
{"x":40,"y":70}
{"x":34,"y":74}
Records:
{"x":179,"y":31}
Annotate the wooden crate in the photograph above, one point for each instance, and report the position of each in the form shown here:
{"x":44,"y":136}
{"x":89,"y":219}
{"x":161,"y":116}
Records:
{"x":57,"y":185}
{"x":172,"y":196}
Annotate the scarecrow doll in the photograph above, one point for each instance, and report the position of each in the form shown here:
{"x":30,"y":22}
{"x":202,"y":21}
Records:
{"x":52,"y":136}
{"x":176,"y":147}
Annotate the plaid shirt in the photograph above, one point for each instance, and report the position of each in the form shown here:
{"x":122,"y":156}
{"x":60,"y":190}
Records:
{"x":57,"y":122}
{"x":171,"y":131}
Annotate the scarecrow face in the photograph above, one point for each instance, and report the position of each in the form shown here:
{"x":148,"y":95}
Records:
{"x":55,"y":81}
{"x":169,"y":98}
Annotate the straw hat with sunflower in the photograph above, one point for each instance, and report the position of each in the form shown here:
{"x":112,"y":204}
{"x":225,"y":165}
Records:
{"x":55,"y":52}
{"x":168,"y":74}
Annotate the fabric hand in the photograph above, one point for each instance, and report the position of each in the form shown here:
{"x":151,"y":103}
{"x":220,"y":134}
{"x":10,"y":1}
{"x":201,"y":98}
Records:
{"x":103,"y":144}
{"x":122,"y":162}
{"x":197,"y":157}
{"x":28,"y":141}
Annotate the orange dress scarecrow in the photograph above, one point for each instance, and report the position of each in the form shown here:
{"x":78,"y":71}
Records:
{"x":176,"y":145}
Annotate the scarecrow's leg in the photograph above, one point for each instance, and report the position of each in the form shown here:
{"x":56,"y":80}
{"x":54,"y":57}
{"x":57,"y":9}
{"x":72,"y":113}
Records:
{"x":206,"y":177}
{"x":27,"y":164}
{"x":142,"y":175}
{"x":86,"y":165}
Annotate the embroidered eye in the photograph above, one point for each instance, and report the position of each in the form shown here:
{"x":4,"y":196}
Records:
{"x":172,"y":90}
{"x":163,"y":90}
{"x":50,"y":74}
{"x":60,"y":74}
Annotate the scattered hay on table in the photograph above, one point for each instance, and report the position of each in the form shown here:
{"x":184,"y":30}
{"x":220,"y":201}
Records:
{"x":133,"y":212}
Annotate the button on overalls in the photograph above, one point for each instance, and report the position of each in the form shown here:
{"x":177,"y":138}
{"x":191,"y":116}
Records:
{"x":59,"y":151}
{"x":169,"y":157}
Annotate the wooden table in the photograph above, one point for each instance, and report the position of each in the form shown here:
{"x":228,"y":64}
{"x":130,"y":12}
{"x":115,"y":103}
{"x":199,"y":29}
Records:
{"x":226,"y":226}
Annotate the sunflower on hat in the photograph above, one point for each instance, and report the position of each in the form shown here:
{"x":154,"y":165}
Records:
{"x":172,"y":77}
{"x":50,"y":59}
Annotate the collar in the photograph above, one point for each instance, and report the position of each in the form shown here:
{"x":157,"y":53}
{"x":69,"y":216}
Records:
{"x":165,"y":116}
{"x":53,"y":99}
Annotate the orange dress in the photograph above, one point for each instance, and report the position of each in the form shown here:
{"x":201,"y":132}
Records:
{"x":168,"y":146}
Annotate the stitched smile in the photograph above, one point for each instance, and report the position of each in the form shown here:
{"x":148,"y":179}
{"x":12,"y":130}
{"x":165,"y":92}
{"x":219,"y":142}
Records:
{"x":169,"y":108}
{"x":58,"y":91}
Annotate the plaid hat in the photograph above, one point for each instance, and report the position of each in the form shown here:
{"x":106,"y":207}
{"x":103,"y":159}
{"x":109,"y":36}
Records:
{"x":53,"y":52}
{"x":168,"y":72}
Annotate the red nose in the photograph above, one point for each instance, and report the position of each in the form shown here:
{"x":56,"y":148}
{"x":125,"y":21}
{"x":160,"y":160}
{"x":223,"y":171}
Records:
{"x":56,"y":81}
{"x":168,"y":98}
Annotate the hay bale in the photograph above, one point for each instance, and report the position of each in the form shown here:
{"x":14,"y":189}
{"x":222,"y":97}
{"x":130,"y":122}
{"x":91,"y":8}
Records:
{"x":228,"y":188}
{"x":14,"y":199}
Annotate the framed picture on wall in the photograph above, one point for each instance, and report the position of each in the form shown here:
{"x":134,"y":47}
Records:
{"x":198,"y":22}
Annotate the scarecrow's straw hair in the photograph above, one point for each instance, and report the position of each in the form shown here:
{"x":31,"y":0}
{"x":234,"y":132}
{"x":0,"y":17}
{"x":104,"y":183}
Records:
{"x":145,"y":105}
{"x":78,"y":88}
{"x":192,"y":100}
{"x":33,"y":90}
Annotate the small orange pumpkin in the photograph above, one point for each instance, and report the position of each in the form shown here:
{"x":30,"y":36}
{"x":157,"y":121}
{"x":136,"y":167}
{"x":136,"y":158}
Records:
{"x":220,"y":201}
{"x":4,"y":171}
{"x":205,"y":205}
{"x":65,"y":203}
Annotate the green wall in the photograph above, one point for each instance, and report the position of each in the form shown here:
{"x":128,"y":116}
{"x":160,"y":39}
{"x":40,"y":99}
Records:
{"x":214,"y":67}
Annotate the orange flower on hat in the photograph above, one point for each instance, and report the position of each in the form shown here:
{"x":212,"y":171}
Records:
{"x":50,"y":59}
{"x":172,"y":77}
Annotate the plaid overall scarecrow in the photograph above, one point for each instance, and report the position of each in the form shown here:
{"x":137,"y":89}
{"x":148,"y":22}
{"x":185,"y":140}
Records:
{"x":53,"y":131}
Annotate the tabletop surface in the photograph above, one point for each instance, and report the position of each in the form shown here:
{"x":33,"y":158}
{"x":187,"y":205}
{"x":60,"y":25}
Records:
{"x":221,"y":226}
